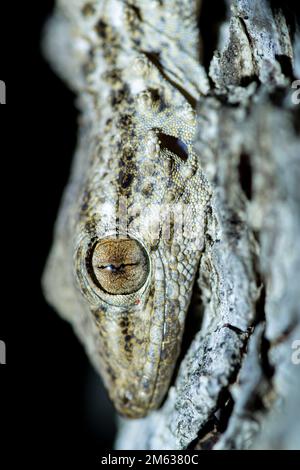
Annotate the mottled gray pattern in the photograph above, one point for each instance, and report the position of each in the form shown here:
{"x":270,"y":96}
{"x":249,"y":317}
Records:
{"x":157,"y":131}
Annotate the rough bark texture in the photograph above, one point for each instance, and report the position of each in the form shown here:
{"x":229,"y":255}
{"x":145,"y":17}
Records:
{"x":238,"y":385}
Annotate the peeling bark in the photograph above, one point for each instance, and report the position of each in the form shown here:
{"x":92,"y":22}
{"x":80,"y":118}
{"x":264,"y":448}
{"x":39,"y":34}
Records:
{"x":238,"y":384}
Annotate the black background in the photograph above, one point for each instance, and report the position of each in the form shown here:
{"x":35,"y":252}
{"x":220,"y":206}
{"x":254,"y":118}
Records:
{"x":51,"y":401}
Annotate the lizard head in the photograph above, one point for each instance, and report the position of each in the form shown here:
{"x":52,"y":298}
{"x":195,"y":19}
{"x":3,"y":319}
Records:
{"x":137,"y":255}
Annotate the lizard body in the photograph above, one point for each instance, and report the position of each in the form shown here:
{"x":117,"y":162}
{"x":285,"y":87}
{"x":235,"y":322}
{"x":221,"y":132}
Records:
{"x":129,"y":234}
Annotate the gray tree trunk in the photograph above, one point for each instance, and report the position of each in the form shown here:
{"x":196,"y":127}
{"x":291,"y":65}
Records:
{"x":238,"y":385}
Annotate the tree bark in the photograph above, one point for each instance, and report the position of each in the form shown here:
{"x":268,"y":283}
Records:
{"x":238,"y":385}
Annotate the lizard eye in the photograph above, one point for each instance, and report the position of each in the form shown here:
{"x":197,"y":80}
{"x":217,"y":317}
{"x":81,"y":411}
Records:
{"x":120,"y":266}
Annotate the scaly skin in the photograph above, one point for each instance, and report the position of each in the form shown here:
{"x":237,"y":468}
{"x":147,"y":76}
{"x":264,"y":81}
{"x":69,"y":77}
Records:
{"x":123,"y":262}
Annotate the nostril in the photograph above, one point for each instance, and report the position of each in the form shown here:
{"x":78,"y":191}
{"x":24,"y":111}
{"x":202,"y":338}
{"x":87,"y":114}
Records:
{"x":125,"y":397}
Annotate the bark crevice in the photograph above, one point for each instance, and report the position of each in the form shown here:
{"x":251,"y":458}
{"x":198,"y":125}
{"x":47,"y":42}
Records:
{"x":237,"y":385}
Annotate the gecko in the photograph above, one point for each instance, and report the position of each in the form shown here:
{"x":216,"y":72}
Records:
{"x":130,"y":230}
